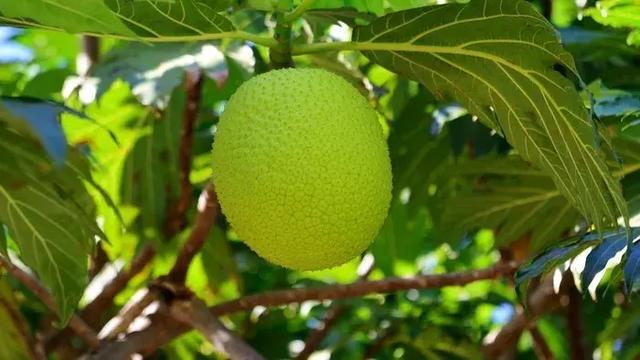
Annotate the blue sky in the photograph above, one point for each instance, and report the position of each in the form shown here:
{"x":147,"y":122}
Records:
{"x":12,"y":51}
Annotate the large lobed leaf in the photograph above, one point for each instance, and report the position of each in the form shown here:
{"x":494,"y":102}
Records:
{"x":506,"y":195}
{"x":49,"y":215}
{"x":151,"y":20}
{"x":504,"y":62}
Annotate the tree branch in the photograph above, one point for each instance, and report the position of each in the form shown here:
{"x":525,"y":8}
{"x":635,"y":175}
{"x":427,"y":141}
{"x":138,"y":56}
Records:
{"x":361,"y":288}
{"x":543,"y":299}
{"x":98,"y":260}
{"x":195,"y":313}
{"x":91,"y":312}
{"x":76,"y":324}
{"x":574,"y":324}
{"x":129,"y":312}
{"x":164,"y":327}
{"x":177,"y":217}
{"x":206,"y":217}
{"x":317,"y":335}
{"x":333,"y":314}
{"x":540,"y":346}
{"x":89,"y":55}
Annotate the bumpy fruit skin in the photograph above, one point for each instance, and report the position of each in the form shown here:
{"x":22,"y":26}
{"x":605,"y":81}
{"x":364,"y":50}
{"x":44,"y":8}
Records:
{"x":302,"y":169}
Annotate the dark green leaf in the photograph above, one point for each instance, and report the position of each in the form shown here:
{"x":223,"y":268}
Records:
{"x":504,"y":62}
{"x":176,"y":20}
{"x":150,"y":173}
{"x":50,"y":217}
{"x":217,"y":259}
{"x":596,"y":263}
{"x":632,"y":268}
{"x":349,"y":16}
{"x":553,"y":257}
{"x":506,"y":195}
{"x":46,"y":84}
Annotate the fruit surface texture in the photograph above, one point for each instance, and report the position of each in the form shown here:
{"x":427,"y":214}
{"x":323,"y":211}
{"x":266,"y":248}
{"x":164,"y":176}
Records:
{"x":301,"y":168}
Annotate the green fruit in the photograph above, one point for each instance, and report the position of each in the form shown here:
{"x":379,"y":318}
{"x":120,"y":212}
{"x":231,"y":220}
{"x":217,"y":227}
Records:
{"x":301,"y":168}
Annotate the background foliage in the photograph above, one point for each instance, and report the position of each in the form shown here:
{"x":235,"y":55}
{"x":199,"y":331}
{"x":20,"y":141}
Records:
{"x":513,"y":134}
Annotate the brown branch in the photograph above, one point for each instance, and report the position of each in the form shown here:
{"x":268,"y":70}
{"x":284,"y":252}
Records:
{"x":361,"y":288}
{"x":333,"y":314}
{"x":177,"y":216}
{"x":76,"y":324}
{"x":206,"y":217}
{"x":91,"y":312}
{"x":164,"y":328}
{"x":89,"y":55}
{"x":543,"y":299}
{"x":377,"y":345}
{"x":575,"y":326}
{"x":98,"y":260}
{"x":129,"y":312}
{"x":195,"y":314}
{"x":315,"y":338}
{"x":540,"y":346}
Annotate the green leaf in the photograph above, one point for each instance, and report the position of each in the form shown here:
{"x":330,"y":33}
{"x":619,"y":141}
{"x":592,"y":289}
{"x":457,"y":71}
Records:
{"x":50,"y":217}
{"x":605,"y":253}
{"x":503,"y":61}
{"x":507,"y":195}
{"x":618,"y":14}
{"x":553,"y":257}
{"x":173,"y":20}
{"x":349,"y":16}
{"x":632,"y":268}
{"x":150,"y":173}
{"x":599,"y":258}
{"x":14,"y":338}
{"x":152,"y":71}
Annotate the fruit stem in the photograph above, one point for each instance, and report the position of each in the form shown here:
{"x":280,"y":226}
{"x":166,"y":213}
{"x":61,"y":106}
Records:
{"x":298,"y":11}
{"x":302,"y":49}
{"x":280,"y":55}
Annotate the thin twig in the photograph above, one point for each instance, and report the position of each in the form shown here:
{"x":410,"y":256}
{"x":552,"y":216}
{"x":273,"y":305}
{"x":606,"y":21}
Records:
{"x":76,"y":324}
{"x":177,"y":214}
{"x":91,"y":312}
{"x":361,"y":288}
{"x":162,"y":329}
{"x":542,"y":300}
{"x":195,"y":313}
{"x":206,"y":217}
{"x":129,"y":312}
